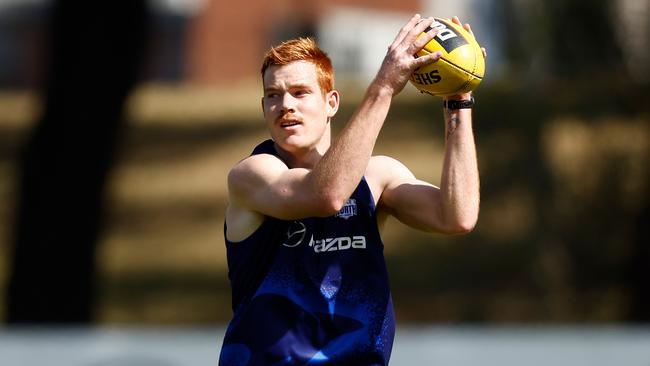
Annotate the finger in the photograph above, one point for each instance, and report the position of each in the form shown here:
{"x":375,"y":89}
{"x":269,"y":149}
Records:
{"x":420,"y":42}
{"x":484,"y":51}
{"x":405,"y":30}
{"x":465,"y":26}
{"x":468,"y":28}
{"x":424,"y":60}
{"x":414,"y":33}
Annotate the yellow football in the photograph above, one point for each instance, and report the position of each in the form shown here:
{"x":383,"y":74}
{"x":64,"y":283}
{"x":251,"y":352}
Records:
{"x":461,"y":67}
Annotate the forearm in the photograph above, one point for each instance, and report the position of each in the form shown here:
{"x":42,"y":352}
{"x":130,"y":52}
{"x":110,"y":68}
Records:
{"x":341,"y":168}
{"x":339,"y":171}
{"x":460,"y":180}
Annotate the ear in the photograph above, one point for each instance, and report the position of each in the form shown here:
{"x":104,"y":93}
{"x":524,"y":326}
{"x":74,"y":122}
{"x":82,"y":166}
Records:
{"x":332,"y":99}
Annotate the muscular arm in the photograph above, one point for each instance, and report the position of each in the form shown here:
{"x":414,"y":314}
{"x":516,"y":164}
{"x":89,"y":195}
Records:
{"x":454,"y":206}
{"x":451,"y":208}
{"x":459,"y":184}
{"x":339,"y":171}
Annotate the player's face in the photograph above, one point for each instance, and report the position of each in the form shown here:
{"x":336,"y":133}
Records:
{"x":295,"y":109}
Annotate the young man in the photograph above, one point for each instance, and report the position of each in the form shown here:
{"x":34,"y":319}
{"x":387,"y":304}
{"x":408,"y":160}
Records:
{"x":309,"y":281}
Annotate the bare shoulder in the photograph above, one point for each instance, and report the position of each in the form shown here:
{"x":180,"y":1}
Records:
{"x":383,"y":172}
{"x":254,"y":170}
{"x":384,"y":169}
{"x":258,"y":163}
{"x":245,"y":180}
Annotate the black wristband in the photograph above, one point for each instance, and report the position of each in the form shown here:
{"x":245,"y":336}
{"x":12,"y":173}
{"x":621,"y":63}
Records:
{"x":458,"y":104}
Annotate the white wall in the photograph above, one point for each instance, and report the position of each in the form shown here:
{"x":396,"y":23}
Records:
{"x":357,"y":39}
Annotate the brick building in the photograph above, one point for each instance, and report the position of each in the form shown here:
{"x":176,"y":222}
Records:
{"x":226,"y":39}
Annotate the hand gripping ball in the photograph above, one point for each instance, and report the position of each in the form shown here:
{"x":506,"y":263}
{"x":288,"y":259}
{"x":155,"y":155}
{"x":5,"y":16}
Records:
{"x":461,"y":67}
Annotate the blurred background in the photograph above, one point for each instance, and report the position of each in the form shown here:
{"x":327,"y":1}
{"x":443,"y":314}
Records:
{"x":120,"y":120}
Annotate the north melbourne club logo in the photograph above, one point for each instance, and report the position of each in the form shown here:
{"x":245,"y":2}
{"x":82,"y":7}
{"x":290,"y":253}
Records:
{"x":348,"y":210}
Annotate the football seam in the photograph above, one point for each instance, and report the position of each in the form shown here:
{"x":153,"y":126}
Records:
{"x":460,"y":68}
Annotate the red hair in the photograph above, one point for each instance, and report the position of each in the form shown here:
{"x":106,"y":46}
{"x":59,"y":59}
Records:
{"x":302,"y":49}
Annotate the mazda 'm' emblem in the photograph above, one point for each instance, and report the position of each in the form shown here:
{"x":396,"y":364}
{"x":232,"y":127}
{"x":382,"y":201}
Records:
{"x":295,"y":234}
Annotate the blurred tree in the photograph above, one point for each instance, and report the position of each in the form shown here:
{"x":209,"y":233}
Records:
{"x":562,"y":41}
{"x":95,"y":49}
{"x":585,"y":50}
{"x":583,"y":39}
{"x":595,"y":247}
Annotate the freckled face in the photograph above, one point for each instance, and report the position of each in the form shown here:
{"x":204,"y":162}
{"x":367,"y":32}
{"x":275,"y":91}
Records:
{"x":295,"y":109}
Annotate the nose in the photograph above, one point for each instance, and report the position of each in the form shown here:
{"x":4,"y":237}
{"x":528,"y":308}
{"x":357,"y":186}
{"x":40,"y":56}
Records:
{"x":288,"y":104}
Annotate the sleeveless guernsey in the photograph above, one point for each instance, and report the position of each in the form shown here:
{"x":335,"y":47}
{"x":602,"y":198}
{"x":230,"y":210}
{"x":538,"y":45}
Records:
{"x":313,"y":291}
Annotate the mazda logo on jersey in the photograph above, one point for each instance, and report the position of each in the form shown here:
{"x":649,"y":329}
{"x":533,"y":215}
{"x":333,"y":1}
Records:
{"x":338,"y":244}
{"x":297,"y":231}
{"x":295,"y":234}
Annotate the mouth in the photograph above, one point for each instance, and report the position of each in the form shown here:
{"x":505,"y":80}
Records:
{"x":285,"y":123}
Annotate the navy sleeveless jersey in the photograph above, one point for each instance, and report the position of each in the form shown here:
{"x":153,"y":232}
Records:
{"x":313,"y":291}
